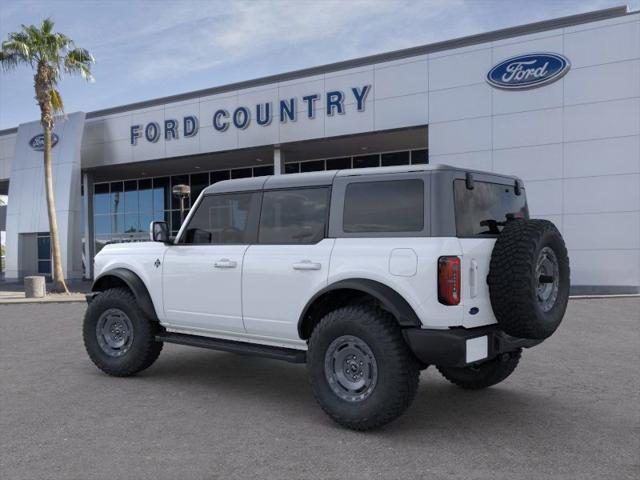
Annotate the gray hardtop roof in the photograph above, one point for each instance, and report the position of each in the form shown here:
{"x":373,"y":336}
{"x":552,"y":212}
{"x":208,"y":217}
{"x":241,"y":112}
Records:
{"x":326,"y":178}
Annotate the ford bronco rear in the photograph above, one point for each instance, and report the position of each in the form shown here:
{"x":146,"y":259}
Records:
{"x":367,"y":276}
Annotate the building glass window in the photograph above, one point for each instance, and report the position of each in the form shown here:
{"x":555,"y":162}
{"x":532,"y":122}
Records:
{"x":117,"y":198}
{"x":101,"y":198}
{"x":199,"y":181}
{"x":419,"y":157}
{"x":366,"y":161}
{"x":102,"y":224}
{"x":44,"y":253}
{"x":145,"y":195}
{"x":263,"y":171}
{"x":338,"y":163}
{"x":218,"y":176}
{"x":131,"y":203}
{"x":292,"y":167}
{"x":145,"y":220}
{"x":241,"y":173}
{"x":131,"y":223}
{"x":395,"y":158}
{"x":312,"y":166}
{"x":117,"y":223}
{"x":161,"y":194}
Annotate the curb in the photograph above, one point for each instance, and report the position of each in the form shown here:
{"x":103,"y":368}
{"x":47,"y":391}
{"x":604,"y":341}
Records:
{"x":617,"y":295}
{"x":22,"y":301}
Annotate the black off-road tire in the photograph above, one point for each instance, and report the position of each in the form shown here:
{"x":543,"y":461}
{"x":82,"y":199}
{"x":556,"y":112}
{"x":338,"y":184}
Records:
{"x":513,"y":281}
{"x":485,"y":374}
{"x":143,"y":349}
{"x":397,"y":369}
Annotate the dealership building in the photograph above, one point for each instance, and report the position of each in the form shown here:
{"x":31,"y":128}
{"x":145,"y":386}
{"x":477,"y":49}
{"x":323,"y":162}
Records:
{"x":556,"y":103}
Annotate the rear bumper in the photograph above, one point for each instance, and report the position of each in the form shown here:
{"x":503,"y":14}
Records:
{"x":459,"y":347}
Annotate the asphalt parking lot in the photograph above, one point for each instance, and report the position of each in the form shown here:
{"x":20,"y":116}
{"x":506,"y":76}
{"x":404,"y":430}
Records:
{"x":570,"y":411}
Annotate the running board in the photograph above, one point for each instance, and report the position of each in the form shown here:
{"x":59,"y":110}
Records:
{"x":242,"y":348}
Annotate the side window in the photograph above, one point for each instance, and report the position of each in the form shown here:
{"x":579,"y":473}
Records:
{"x":293,"y":216}
{"x":228,"y":218}
{"x":384,"y":206}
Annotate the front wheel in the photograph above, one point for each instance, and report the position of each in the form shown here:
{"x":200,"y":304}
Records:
{"x":485,"y":374}
{"x":118,"y":336}
{"x":360,"y":369}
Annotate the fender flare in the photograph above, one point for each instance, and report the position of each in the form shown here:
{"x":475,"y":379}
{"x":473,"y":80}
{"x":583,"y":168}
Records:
{"x":387,"y":296}
{"x":135,"y":284}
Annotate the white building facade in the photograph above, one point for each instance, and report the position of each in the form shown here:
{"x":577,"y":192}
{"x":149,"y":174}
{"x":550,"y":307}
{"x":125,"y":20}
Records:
{"x":556,"y":103}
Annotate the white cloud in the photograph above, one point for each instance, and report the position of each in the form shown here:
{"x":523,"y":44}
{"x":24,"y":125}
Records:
{"x":185,"y":39}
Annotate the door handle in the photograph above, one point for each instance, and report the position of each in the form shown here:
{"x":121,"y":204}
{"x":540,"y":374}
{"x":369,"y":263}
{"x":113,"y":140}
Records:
{"x":307,"y":265}
{"x":225,"y":263}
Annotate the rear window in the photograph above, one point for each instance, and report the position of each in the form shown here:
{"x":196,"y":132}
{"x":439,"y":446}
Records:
{"x":483,"y":210}
{"x":384,"y":206}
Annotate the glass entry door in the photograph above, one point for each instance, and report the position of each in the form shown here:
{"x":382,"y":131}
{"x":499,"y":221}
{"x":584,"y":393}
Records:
{"x":44,"y":253}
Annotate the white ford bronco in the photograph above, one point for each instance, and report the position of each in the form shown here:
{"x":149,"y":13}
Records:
{"x":366,"y":275}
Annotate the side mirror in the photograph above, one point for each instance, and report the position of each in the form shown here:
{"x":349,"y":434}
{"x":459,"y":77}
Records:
{"x":159,"y":232}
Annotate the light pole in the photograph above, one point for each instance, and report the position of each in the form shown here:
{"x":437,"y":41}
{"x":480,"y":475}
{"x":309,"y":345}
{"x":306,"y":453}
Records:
{"x":182,"y":192}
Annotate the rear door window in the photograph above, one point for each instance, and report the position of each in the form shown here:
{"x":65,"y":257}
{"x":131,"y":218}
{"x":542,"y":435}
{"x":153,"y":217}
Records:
{"x":484,"y":210}
{"x":294,"y":216}
{"x":384,"y":206}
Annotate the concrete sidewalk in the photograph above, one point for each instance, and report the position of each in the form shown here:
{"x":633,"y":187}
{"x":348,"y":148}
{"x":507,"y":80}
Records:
{"x":11,"y":293}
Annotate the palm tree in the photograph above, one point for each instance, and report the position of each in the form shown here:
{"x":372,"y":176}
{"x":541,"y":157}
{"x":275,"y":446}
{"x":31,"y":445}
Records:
{"x":50,"y":55}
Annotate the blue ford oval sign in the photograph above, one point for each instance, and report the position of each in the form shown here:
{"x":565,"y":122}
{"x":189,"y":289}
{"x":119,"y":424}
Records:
{"x":528,"y":71}
{"x":37,"y":142}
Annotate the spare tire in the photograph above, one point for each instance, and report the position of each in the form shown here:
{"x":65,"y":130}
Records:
{"x":529,"y":278}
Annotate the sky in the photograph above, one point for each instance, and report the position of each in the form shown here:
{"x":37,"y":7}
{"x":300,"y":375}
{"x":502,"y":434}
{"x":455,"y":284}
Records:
{"x":150,"y":49}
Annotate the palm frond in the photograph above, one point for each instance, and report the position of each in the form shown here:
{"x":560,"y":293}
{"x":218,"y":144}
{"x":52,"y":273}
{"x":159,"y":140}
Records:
{"x":9,"y":61}
{"x":16,"y":47}
{"x":47,"y":26}
{"x":79,"y":61}
{"x":34,"y":34}
{"x":16,"y":50}
{"x":56,"y":101}
{"x":63,"y":42}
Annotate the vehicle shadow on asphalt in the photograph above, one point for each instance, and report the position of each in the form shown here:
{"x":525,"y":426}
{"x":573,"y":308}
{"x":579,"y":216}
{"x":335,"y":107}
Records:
{"x":282,"y":388}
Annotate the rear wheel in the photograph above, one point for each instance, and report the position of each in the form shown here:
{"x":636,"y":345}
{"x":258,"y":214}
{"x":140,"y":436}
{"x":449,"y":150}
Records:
{"x":118,"y":337}
{"x":485,"y":374}
{"x":360,"y":369}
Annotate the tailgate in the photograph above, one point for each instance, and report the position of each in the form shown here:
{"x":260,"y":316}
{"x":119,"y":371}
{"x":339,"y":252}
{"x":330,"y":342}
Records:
{"x":476,"y":257}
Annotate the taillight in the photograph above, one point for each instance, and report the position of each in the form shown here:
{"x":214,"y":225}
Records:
{"x":449,"y":280}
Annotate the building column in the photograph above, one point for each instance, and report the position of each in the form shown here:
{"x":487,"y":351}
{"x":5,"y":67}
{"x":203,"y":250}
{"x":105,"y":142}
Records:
{"x":278,"y":161}
{"x":87,"y":220}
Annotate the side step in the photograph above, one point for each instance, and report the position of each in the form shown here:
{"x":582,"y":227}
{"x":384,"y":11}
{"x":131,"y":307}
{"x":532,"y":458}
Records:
{"x":242,"y":348}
